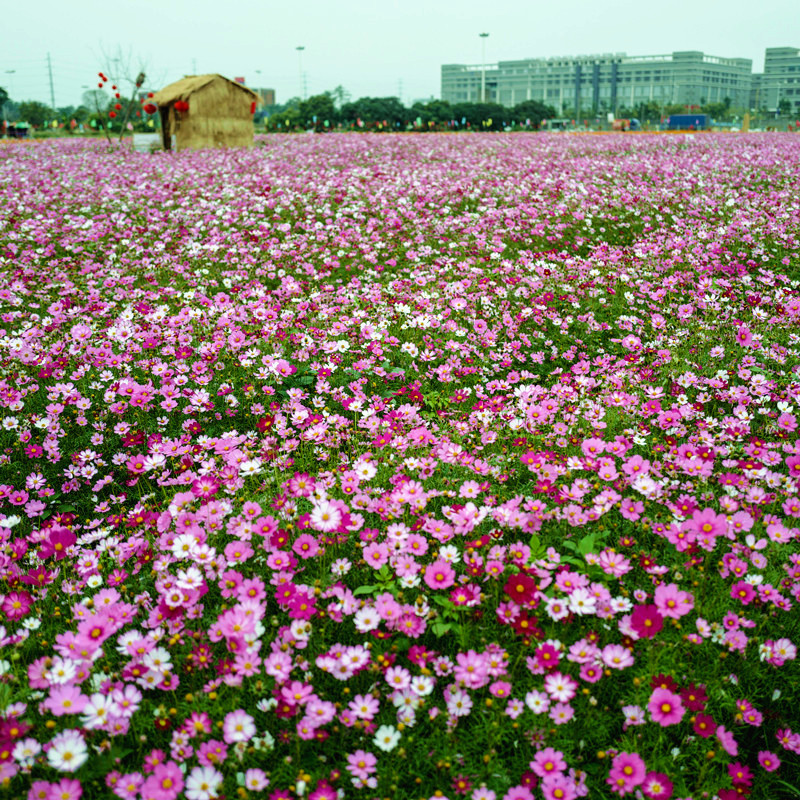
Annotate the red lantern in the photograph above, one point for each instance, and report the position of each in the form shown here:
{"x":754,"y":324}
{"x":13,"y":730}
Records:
{"x":149,"y":108}
{"x":118,"y":106}
{"x":149,"y":94}
{"x":99,"y":85}
{"x":253,"y":107}
{"x":112,"y":114}
{"x":181,"y":105}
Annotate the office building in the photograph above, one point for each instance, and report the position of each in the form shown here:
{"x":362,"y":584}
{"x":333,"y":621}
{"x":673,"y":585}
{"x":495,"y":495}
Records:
{"x":780,"y":80}
{"x":596,"y":84}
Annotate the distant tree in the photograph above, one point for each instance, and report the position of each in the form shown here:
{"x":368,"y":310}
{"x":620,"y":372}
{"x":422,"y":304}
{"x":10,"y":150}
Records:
{"x":437,"y":112}
{"x":7,"y":106}
{"x":646,"y":111}
{"x":533,"y":110}
{"x":482,"y":116}
{"x":81,"y":114}
{"x":317,"y":110}
{"x":34,"y":112}
{"x":718,"y":111}
{"x":96,"y":100}
{"x":340,"y":95}
{"x":373,"y":111}
{"x":784,"y":106}
{"x":287,"y":118}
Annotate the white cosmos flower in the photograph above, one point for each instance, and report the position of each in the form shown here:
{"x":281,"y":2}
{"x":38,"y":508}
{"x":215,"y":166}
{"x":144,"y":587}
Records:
{"x":386,"y":738}
{"x":67,"y":751}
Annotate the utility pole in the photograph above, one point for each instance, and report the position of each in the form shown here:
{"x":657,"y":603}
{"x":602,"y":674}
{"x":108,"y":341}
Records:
{"x":52,"y":93}
{"x":483,"y":36}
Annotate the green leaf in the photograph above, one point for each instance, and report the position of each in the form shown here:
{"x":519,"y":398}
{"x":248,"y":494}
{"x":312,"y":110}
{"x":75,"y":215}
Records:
{"x":586,"y":545}
{"x":370,"y":589}
{"x":5,"y":696}
{"x":440,"y":628}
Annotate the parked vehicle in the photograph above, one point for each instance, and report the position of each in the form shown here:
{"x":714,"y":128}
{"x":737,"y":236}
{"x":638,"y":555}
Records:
{"x":688,"y":122}
{"x":626,"y":125}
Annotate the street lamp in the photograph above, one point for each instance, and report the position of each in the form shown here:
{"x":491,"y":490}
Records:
{"x":300,"y":49}
{"x":484,"y":37}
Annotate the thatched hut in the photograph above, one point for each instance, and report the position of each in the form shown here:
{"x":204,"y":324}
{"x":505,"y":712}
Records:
{"x":206,"y":111}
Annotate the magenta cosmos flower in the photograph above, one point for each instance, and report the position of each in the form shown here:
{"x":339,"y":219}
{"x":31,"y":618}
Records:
{"x":657,"y":786}
{"x":665,"y":707}
{"x":646,"y":621}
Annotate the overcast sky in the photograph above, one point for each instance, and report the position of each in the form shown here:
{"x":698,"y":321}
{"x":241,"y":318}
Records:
{"x":370,"y":47}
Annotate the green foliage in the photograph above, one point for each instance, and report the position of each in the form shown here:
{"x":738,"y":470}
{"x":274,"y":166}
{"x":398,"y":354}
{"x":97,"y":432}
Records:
{"x":482,"y":116}
{"x":533,"y":110}
{"x":34,"y":112}
{"x":373,"y":110}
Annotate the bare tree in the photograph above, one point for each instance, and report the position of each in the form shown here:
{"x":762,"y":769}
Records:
{"x":127,"y":75}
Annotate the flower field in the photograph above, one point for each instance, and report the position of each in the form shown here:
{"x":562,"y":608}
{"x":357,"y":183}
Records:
{"x":416,"y":466}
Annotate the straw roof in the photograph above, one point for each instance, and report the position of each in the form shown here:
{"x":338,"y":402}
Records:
{"x":184,"y":88}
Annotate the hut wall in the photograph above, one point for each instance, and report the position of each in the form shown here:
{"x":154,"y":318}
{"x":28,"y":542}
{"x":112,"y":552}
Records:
{"x":218,"y":116}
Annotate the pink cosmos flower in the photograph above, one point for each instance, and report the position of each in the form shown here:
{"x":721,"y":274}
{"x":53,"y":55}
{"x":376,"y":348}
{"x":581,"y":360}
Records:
{"x":361,"y":764}
{"x":238,"y":726}
{"x":627,"y":772}
{"x":255,"y":779}
{"x":39,"y":790}
{"x":518,"y":793}
{"x":66,"y":789}
{"x":166,"y":782}
{"x":769,"y":761}
{"x":561,"y":713}
{"x":615,"y":656}
{"x":558,"y":786}
{"x":743,"y":336}
{"x":657,"y":786}
{"x":743,"y":592}
{"x":672,"y":602}
{"x":65,"y":699}
{"x":548,"y":761}
{"x":16,"y":605}
{"x":325,"y":517}
{"x":727,"y":741}
{"x":439,"y":575}
{"x":740,"y":774}
{"x":665,"y":707}
{"x":472,"y":669}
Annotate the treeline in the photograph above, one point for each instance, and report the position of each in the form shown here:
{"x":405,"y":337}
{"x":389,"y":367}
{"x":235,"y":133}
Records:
{"x":389,"y":114}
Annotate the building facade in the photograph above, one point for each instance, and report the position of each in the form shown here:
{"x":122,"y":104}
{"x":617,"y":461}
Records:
{"x":778,"y":88}
{"x":582,"y":85}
